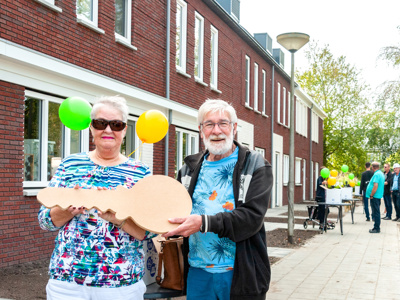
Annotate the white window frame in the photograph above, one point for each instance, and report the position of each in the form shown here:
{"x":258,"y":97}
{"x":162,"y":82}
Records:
{"x":284,"y":106}
{"x":181,"y":67}
{"x":264,"y":91}
{"x":255,"y":100}
{"x":91,"y":23}
{"x":316,"y":172}
{"x":247,"y":82}
{"x":301,"y":118}
{"x":214,"y":58}
{"x":289,"y":103}
{"x":179,"y":150}
{"x":279,"y":103}
{"x":127,"y":38}
{"x":260,"y":150}
{"x":199,"y":52}
{"x":298,"y":171}
{"x":285,"y":169}
{"x":44,"y":127}
{"x":50,"y":4}
{"x":315,"y":128}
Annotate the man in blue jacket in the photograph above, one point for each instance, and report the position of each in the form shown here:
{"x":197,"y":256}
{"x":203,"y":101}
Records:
{"x":375,"y":193}
{"x":226,"y":251}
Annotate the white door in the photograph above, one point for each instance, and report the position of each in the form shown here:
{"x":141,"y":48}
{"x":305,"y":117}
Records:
{"x":277,"y":164}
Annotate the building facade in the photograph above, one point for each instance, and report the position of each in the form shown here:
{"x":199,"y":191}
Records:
{"x":168,"y":55}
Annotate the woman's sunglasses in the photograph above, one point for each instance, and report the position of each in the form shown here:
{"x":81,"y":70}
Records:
{"x":101,"y":124}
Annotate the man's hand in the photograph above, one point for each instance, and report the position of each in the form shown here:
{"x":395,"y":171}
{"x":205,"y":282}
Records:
{"x":189,"y":225}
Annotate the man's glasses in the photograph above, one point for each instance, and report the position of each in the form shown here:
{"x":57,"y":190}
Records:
{"x":101,"y":124}
{"x":210,"y":125}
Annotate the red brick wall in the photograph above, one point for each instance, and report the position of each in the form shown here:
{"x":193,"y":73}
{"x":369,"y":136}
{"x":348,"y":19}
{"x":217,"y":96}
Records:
{"x":21,"y":239}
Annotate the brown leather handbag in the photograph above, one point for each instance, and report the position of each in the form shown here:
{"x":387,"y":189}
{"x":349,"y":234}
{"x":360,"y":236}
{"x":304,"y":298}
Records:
{"x":170,"y":259}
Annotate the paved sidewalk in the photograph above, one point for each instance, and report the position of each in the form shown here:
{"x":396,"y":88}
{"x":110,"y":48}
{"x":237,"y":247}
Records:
{"x":355,"y":265}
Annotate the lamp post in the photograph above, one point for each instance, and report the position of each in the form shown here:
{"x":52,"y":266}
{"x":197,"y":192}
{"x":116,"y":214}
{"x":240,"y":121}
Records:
{"x":292,"y":42}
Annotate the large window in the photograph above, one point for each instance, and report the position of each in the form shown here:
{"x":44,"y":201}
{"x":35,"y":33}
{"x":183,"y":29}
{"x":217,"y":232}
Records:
{"x":301,"y":118}
{"x":46,"y":139}
{"x":198,"y":46}
{"x":131,"y":141}
{"x":181,"y":31}
{"x":247,"y":81}
{"x":255,"y":87}
{"x":315,"y":127}
{"x":284,"y":111}
{"x":285,"y":169}
{"x":289,"y":104}
{"x":264,"y":91}
{"x":186,"y":143}
{"x":123,"y":16}
{"x":214,"y":58}
{"x":278,"y":113}
{"x":298,"y":171}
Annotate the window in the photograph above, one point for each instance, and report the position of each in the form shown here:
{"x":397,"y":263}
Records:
{"x":316,"y":172}
{"x":260,"y":150}
{"x":49,"y":4}
{"x":298,"y":171}
{"x":255,"y":87}
{"x":198,"y":46}
{"x":312,"y":181}
{"x":301,"y":118}
{"x":264,"y":91}
{"x":186,"y":143}
{"x":289,"y":104}
{"x":46,"y":139}
{"x":123,"y":16}
{"x":279,"y":103}
{"x":284,"y":111}
{"x":247,"y":81}
{"x":87,"y":13}
{"x":214,"y":58}
{"x":131,"y":141}
{"x":181,"y":30}
{"x":285,"y":169}
{"x":315,"y":128}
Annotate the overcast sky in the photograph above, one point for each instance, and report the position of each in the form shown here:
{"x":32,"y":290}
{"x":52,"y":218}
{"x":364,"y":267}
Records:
{"x":357,"y":29}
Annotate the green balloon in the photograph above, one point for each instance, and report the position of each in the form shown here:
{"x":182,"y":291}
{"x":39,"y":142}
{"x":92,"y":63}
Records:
{"x":345,"y":168}
{"x":74,"y":113}
{"x":358,"y":183}
{"x":351,"y":176}
{"x":325,"y":173}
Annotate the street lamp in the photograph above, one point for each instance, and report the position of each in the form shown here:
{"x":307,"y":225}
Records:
{"x":292,"y":42}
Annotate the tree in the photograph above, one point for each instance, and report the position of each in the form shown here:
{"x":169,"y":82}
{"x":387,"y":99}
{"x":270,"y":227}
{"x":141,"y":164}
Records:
{"x":337,"y":88}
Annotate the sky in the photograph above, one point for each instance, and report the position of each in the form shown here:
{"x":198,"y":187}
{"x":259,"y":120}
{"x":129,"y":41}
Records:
{"x":356,"y":29}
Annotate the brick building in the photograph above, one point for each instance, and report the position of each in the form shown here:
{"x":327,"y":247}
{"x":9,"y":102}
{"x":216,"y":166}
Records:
{"x":168,"y":55}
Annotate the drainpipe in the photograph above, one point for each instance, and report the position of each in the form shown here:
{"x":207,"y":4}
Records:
{"x":167,"y":78}
{"x":311,"y":170}
{"x":272,"y":123}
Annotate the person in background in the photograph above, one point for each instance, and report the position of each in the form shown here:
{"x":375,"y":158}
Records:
{"x":230,"y":185}
{"x":395,"y":191}
{"x":320,"y":197}
{"x":365,"y":178}
{"x":375,"y":192}
{"x":97,"y":256}
{"x":387,"y":193}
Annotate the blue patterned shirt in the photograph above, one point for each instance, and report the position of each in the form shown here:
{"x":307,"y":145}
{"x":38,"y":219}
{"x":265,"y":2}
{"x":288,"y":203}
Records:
{"x":213,"y":194}
{"x":89,"y":250}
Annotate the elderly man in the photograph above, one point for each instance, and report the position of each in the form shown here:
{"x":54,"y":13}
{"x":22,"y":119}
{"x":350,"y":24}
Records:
{"x":226,"y":252}
{"x":375,"y":193}
{"x":387,"y":193}
{"x":395,"y":191}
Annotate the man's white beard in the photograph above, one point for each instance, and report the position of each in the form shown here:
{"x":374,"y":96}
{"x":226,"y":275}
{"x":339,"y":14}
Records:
{"x":219,"y":148}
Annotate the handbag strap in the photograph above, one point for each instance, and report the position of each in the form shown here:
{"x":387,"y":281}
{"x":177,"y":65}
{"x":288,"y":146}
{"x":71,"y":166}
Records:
{"x":160,"y":263}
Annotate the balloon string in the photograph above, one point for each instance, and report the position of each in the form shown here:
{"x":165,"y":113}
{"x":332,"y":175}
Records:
{"x":140,"y":150}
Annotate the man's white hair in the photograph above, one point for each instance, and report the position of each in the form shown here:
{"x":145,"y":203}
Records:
{"x":216,"y":105}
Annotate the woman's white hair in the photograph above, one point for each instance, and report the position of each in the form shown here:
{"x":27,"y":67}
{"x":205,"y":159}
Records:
{"x":116,"y":102}
{"x":216,"y":105}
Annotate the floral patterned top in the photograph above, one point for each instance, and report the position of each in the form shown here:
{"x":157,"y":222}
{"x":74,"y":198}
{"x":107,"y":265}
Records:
{"x":89,"y":250}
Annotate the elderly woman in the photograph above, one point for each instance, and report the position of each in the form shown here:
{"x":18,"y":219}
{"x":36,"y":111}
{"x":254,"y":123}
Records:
{"x":97,"y":256}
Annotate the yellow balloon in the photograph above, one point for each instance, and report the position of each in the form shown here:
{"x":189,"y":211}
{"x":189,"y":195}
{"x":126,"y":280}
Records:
{"x":151,"y":126}
{"x":331,"y":181}
{"x":334,"y":173}
{"x":352,"y":183}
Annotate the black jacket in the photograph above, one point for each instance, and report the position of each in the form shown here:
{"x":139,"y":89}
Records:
{"x":389,"y":180}
{"x":252,"y":183}
{"x":365,"y":178}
